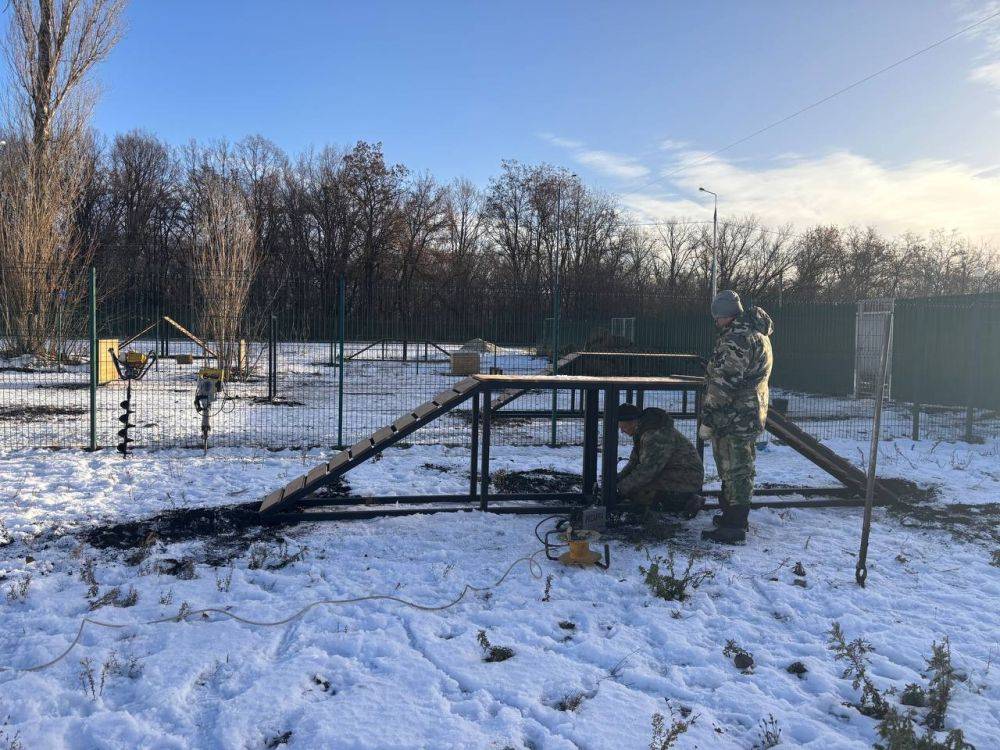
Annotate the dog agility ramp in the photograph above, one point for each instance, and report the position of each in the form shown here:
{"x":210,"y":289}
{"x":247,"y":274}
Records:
{"x":375,"y":443}
{"x":833,"y":464}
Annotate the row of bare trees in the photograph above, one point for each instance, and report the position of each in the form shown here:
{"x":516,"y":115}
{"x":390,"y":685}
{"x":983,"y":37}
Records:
{"x":349,"y":211}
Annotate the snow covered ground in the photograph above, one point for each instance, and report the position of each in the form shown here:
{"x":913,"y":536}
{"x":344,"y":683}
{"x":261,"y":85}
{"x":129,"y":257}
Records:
{"x":593,"y":661}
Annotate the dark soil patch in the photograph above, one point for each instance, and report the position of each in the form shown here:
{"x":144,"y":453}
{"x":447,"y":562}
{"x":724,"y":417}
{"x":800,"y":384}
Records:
{"x":36,"y":413}
{"x":225,"y":522}
{"x":436,"y":467}
{"x":65,"y":386}
{"x":536,"y":480}
{"x":229,"y":529}
{"x":276,"y":401}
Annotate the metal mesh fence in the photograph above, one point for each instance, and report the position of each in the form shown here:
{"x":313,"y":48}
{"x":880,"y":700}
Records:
{"x":282,"y":343}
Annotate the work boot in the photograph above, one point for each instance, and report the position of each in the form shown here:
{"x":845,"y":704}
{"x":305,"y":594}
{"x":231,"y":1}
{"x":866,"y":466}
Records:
{"x":723,"y":506}
{"x":733,"y":527}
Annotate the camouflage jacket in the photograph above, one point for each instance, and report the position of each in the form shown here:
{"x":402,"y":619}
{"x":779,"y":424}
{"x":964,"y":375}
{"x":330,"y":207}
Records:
{"x":736,"y":392}
{"x":662,"y":459}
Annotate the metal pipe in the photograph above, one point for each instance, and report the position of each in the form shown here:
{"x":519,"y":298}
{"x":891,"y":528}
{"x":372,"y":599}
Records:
{"x":861,"y":569}
{"x":93,"y":359}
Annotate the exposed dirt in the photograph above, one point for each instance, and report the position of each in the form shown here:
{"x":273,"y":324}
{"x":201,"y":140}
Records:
{"x":38,"y":413}
{"x":276,"y":401}
{"x":228,"y":529}
{"x":536,"y":480}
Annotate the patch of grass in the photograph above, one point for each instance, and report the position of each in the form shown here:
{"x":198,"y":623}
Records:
{"x":666,"y":583}
{"x":665,"y":736}
{"x":855,"y":654}
{"x":913,"y":695}
{"x":115,"y":598}
{"x":769,"y":734}
{"x":897,"y":728}
{"x":547,"y":594}
{"x":224,"y":583}
{"x":493,"y":653}
{"x":18,"y":592}
{"x":570,"y":702}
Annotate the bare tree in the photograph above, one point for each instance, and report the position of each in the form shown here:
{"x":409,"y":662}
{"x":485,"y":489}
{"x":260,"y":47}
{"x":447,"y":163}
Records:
{"x":225,"y":258}
{"x":52,"y":46}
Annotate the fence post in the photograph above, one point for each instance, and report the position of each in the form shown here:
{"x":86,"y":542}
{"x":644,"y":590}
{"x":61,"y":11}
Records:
{"x":341,"y":311}
{"x":555,"y":357}
{"x":272,"y":360}
{"x":93,"y":359}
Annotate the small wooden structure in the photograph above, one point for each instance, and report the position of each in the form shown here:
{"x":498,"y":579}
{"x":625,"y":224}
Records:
{"x":465,"y":363}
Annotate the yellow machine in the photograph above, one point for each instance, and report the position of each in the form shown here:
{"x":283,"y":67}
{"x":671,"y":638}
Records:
{"x":578,"y":539}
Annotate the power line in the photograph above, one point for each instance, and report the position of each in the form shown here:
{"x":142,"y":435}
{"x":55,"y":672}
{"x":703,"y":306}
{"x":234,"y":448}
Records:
{"x":825,"y":99}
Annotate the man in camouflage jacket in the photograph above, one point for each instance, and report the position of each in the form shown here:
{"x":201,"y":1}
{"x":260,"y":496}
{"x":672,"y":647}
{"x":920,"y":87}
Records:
{"x":664,"y":471}
{"x":734,"y":409}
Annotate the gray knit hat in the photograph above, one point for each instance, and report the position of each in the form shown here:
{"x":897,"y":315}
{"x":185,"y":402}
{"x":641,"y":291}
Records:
{"x":726,"y":304}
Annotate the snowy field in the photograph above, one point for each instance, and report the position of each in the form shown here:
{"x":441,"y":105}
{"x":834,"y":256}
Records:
{"x":595,"y":655}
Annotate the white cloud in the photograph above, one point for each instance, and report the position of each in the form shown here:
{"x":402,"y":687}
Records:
{"x":561,"y":142}
{"x":611,"y":164}
{"x":988,"y":71}
{"x":605,"y":162}
{"x":669,"y":144}
{"x":988,"y":74}
{"x":839,"y":188}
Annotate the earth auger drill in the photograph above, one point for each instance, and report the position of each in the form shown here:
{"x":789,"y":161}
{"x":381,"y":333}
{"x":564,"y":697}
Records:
{"x":132,"y":367}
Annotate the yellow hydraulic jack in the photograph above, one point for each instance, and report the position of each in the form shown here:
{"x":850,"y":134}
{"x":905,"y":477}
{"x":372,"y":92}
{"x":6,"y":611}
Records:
{"x":578,"y":542}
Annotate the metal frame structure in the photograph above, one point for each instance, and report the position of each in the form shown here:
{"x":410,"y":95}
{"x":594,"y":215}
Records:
{"x":291,"y":502}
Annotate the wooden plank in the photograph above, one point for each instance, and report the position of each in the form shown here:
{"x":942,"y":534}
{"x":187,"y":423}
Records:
{"x":466,"y":385}
{"x":317,"y":473}
{"x":337,"y":461}
{"x":272,"y":500}
{"x":145,"y":330}
{"x":185,"y":332}
{"x":403,"y":422}
{"x":382,"y":434}
{"x":295,"y":485}
{"x":649,"y":383}
{"x":361,"y":448}
{"x":446,"y":397}
{"x":425,"y":410}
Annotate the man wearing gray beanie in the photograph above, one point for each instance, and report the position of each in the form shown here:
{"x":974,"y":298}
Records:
{"x":734,"y":410}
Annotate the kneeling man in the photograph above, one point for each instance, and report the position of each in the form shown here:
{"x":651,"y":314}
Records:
{"x":664,"y":471}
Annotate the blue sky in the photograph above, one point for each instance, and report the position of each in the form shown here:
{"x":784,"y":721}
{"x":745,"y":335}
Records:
{"x":454,"y":87}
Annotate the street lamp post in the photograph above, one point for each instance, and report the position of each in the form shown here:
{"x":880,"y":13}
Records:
{"x":715,"y":242}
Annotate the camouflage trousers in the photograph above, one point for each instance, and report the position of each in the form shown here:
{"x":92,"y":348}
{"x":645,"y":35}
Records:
{"x":735,"y":459}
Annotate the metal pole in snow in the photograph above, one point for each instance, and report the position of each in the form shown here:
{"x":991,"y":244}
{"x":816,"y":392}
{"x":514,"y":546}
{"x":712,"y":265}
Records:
{"x":861,"y":570}
{"x":93,"y":359}
{"x":341,"y":308}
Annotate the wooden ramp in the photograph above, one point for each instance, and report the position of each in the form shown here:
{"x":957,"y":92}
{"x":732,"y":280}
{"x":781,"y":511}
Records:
{"x":375,"y":443}
{"x":836,"y":466}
